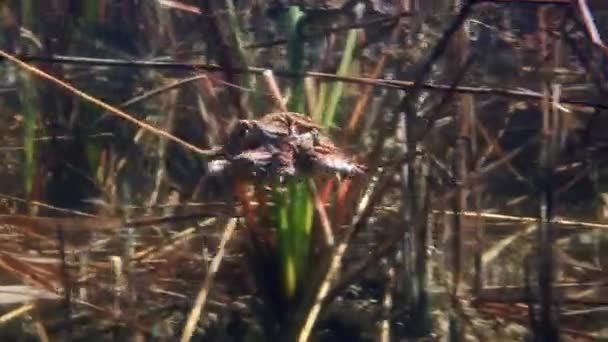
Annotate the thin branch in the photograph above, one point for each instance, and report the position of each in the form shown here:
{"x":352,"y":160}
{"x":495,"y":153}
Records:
{"x":378,"y":82}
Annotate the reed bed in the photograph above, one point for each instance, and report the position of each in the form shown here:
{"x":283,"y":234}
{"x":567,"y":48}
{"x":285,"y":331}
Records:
{"x":478,"y":209}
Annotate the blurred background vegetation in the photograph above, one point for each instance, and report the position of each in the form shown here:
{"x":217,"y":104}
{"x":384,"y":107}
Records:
{"x":483,"y":214}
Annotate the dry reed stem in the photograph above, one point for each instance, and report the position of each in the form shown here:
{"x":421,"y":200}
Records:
{"x":179,"y":5}
{"x":494,"y":146}
{"x":589,"y":24}
{"x":118,"y":286}
{"x":211,"y":111}
{"x":565,"y":222}
{"x":199,"y":303}
{"x":520,"y":317}
{"x":170,"y":109}
{"x":328,"y":233}
{"x":51,"y":224}
{"x":334,"y":266}
{"x":273,"y":88}
{"x":310,"y":92}
{"x":494,"y":251}
{"x":16,"y":313}
{"x":26,"y":273}
{"x":363,"y":100}
{"x":157,"y":252}
{"x":387,"y":306}
{"x":47,"y":206}
{"x":115,"y":111}
{"x":41,"y":331}
{"x":357,"y":113}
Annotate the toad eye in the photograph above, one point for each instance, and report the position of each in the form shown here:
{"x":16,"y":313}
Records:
{"x":316,"y":136}
{"x":242,"y":129}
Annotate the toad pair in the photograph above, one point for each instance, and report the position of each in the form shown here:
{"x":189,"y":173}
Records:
{"x":281,"y":144}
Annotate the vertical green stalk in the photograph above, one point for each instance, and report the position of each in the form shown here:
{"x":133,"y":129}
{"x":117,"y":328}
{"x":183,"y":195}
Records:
{"x":293,"y":208}
{"x":236,"y":34}
{"x":281,"y":215}
{"x":243,"y":58}
{"x":294,"y":211}
{"x":295,"y":56}
{"x":301,"y":221}
{"x":294,"y":218}
{"x":317,"y":113}
{"x":300,"y":213}
{"x":27,"y":10}
{"x":336,"y":91}
{"x":91,"y":12}
{"x":28,"y":100}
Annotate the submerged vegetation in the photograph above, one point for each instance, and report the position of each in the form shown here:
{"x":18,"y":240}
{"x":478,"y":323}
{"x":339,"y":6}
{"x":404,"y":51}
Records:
{"x":250,"y":170}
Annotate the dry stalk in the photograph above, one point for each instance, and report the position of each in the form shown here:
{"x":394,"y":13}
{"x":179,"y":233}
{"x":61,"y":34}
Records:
{"x":273,"y":88}
{"x":162,"y":148}
{"x":41,"y":331}
{"x":358,"y":111}
{"x":589,"y":24}
{"x":328,"y":233}
{"x":23,"y":309}
{"x":335,"y":261}
{"x":156,"y":252}
{"x":199,"y":303}
{"x":547,"y":326}
{"x":387,"y":306}
{"x":527,"y":219}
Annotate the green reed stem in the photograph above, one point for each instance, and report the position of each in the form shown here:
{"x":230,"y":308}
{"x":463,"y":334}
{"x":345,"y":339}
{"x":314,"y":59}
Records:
{"x":337,"y":88}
